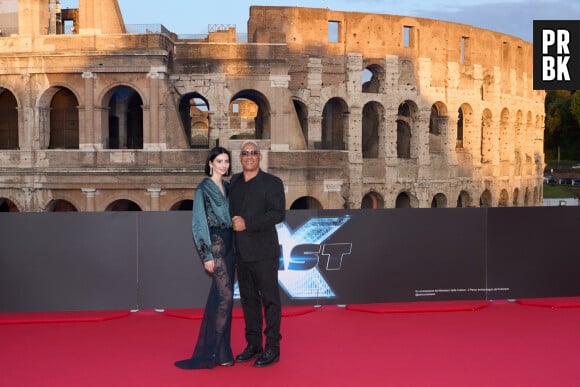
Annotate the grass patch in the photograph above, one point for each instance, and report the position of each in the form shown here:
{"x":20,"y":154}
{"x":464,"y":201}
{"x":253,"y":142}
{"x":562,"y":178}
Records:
{"x":559,"y":191}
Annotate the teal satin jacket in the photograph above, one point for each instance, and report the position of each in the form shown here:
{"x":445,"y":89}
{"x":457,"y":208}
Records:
{"x":210,"y":210}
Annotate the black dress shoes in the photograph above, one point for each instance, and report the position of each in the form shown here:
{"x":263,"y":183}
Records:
{"x":186,"y":364}
{"x":249,"y":353}
{"x":268,"y":357}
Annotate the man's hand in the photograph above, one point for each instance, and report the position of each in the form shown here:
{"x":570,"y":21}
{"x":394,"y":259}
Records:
{"x":239,"y":224}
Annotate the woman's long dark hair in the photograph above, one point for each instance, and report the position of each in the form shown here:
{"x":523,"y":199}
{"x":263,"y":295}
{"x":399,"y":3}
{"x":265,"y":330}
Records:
{"x":216,"y":151}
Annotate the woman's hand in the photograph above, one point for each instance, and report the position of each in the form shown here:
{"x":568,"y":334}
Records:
{"x":209,"y":266}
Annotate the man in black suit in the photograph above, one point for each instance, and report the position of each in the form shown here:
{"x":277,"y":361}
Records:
{"x":257,"y":204}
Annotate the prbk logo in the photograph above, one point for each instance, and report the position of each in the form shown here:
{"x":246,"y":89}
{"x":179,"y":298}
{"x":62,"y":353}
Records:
{"x":556,"y":54}
{"x":305,"y":254}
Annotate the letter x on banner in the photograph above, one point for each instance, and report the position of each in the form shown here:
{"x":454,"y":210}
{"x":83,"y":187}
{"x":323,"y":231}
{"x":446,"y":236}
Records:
{"x":556,"y":54}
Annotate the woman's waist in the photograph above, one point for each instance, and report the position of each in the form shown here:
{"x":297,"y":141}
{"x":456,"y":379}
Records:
{"x":216,"y":228}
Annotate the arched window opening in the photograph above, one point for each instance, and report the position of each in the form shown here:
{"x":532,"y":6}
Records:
{"x":503,"y":198}
{"x":434,"y":121}
{"x":123,"y":205}
{"x":7,"y":205}
{"x":485,"y":199}
{"x":437,"y":127}
{"x":61,"y":205}
{"x":486,"y":137}
{"x":334,"y":124}
{"x":8,"y":120}
{"x":505,"y":139}
{"x":463,"y":200}
{"x":249,"y":116}
{"x":459,"y":139}
{"x":372,"y":200}
{"x":406,"y":200}
{"x":194,"y":113}
{"x":64,"y":120}
{"x":184,"y":205}
{"x":302,"y":115}
{"x":373,"y":116}
{"x":306,"y":203}
{"x":404,"y":123}
{"x":515,"y":201}
{"x":125,"y":119}
{"x":439,"y":201}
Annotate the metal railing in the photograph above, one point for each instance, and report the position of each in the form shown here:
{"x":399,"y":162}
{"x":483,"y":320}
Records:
{"x":147,"y":29}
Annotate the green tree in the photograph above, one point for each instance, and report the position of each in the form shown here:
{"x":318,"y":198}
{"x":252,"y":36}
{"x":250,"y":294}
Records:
{"x":575,"y":107}
{"x":562,"y":125}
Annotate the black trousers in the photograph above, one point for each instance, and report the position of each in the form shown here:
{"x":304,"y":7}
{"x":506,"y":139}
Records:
{"x":258,"y":283}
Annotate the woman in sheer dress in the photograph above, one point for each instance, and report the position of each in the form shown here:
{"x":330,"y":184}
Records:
{"x":212,"y":233}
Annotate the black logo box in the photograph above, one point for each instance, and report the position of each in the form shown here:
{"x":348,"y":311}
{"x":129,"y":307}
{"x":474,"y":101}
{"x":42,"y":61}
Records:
{"x":543,"y":31}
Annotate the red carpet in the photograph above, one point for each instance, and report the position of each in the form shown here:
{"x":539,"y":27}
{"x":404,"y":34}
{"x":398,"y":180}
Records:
{"x":420,"y":306}
{"x":197,"y":313}
{"x":555,"y":302}
{"x":502,"y":345}
{"x":51,"y":317}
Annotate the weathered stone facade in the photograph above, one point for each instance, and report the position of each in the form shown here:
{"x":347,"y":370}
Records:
{"x":351,"y":109}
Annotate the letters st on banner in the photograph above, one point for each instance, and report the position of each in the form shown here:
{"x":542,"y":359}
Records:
{"x":556,"y":54}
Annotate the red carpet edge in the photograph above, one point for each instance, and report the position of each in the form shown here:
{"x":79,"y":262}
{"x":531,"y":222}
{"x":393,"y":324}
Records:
{"x":60,"y":317}
{"x":417,"y":307}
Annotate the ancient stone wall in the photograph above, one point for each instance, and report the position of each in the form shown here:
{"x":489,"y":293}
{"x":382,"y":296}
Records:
{"x":351,"y":110}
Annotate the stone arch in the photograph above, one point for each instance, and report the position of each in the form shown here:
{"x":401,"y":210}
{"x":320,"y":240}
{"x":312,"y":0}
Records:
{"x":465,"y":132}
{"x":373,"y":117}
{"x":182,"y":205}
{"x":334,"y":124}
{"x":8,"y":120}
{"x":503,"y":198}
{"x":485,"y":200}
{"x":486,"y":136}
{"x":463,"y":199}
{"x":438,"y":118}
{"x":124,"y":124}
{"x":406,"y":114}
{"x":7,"y":205}
{"x":406,"y":200}
{"x":61,"y":205}
{"x":373,"y":78}
{"x":194,"y":114}
{"x":439,"y":201}
{"x":505,"y":140}
{"x":59,"y":118}
{"x":123,"y":205}
{"x":372,"y":200}
{"x":539,"y":121}
{"x":515,"y":199}
{"x":438,"y":122}
{"x":529,"y":124}
{"x":302,"y":114}
{"x":306,"y":203}
{"x":249,"y":115}
{"x":529,"y":133}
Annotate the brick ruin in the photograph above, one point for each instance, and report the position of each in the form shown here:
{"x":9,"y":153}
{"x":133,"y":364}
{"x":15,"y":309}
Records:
{"x":352,"y":110}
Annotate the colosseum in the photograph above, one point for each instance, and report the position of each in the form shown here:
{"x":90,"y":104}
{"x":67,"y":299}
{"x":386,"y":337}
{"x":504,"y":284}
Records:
{"x":352,"y":110}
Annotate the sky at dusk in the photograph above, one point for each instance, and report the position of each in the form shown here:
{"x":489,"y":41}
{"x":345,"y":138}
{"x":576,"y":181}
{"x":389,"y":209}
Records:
{"x":512,"y":17}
